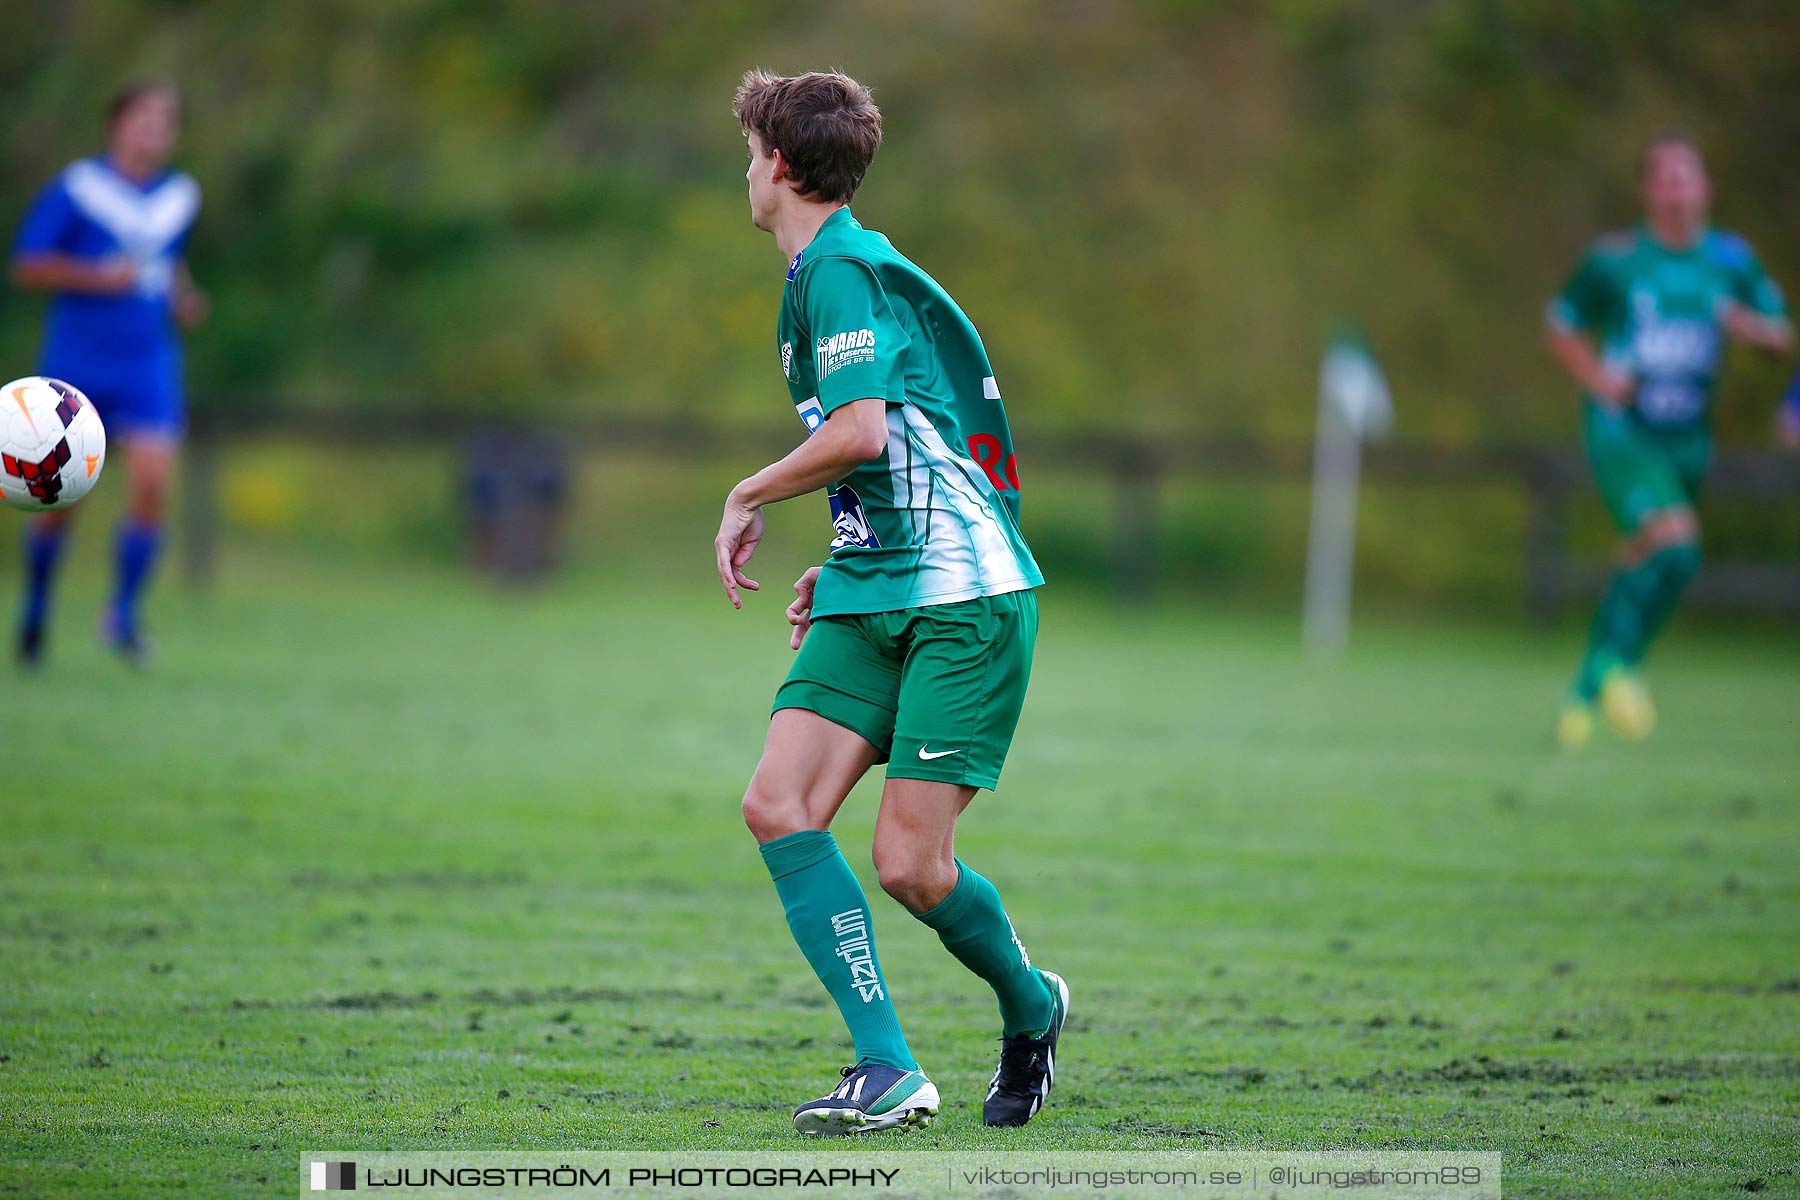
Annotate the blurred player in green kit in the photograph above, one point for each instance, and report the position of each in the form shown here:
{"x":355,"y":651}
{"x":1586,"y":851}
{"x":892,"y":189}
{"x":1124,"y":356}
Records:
{"x":915,"y":637}
{"x":1641,"y":325}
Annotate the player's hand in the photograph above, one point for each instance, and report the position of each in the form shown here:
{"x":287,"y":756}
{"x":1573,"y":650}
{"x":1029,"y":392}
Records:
{"x":115,"y":276}
{"x":1614,"y":388}
{"x":192,"y":307}
{"x":740,"y":529}
{"x":1754,"y":329}
{"x":799,"y":613}
{"x":1787,"y":428}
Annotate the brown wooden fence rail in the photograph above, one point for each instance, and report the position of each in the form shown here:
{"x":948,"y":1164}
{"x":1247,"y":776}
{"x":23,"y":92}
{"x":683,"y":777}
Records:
{"x":1551,"y":477}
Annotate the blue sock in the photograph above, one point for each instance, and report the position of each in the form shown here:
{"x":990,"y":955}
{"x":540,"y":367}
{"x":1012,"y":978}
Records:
{"x":43,"y":551}
{"x":138,"y":544}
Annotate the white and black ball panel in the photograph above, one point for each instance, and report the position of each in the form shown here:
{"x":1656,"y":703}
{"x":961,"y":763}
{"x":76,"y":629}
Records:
{"x":52,"y":444}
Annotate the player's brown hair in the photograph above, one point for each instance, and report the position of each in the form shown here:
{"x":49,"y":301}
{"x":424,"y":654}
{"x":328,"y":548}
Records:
{"x":128,"y":94}
{"x":824,"y":123}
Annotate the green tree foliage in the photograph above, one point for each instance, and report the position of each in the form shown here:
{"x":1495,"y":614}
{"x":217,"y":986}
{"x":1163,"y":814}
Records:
{"x":1153,"y":211}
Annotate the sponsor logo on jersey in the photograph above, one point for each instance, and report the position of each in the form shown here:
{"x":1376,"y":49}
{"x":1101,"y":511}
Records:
{"x":1675,"y":346}
{"x":844,"y":349}
{"x":1669,"y":401}
{"x":794,"y":267}
{"x":812,"y":415}
{"x":850,"y":521}
{"x":1674,"y":356}
{"x":1001,"y":468}
{"x":852,"y":930}
{"x":787,"y":360}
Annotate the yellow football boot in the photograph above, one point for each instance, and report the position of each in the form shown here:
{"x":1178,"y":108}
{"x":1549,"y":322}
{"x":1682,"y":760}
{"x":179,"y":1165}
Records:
{"x":1626,"y":702}
{"x":1575,"y":725}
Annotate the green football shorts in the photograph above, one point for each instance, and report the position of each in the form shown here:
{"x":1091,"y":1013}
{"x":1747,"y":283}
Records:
{"x":1642,"y":470}
{"x":937,"y":690}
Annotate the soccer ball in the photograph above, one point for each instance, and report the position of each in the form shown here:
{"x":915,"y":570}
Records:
{"x":52,"y":444}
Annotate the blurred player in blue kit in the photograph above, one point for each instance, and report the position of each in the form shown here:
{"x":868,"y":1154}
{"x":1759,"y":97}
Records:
{"x":107,"y":240}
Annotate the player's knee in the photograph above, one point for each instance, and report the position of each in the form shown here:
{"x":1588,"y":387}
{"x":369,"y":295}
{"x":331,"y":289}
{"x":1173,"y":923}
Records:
{"x":1673,"y":540}
{"x":902,"y":880}
{"x":1670,"y":534}
{"x":148,"y":499}
{"x":760,"y":810}
{"x":771,"y":813}
{"x":917,"y":881}
{"x":1672,"y":527}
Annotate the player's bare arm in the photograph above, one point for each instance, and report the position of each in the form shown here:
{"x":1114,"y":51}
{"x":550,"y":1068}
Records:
{"x":854,"y":434}
{"x":1579,"y":358}
{"x":1772,"y":335}
{"x":192,"y":305}
{"x":67,"y":273}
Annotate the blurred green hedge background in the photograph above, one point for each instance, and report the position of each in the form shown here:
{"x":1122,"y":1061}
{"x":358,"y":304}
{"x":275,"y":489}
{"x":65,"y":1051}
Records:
{"x":1153,"y":211}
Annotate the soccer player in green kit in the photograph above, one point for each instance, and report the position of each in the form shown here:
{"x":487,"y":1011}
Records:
{"x":915,"y":637}
{"x":1641,"y":326}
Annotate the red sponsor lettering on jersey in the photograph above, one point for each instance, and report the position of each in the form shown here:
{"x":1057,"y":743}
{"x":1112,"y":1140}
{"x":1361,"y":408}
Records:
{"x":985,"y":449}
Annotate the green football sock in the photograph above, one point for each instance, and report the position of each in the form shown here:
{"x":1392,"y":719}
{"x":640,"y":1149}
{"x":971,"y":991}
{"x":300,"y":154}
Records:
{"x":1675,"y":567}
{"x":829,"y":917}
{"x":974,"y":928}
{"x":1618,"y":625}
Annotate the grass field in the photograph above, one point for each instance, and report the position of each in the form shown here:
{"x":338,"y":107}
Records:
{"x":379,"y":860}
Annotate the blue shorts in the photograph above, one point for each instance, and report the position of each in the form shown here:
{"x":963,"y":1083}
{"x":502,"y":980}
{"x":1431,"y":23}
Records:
{"x":135,"y":398}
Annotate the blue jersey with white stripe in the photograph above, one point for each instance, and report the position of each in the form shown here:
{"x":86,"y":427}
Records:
{"x":92,"y":211}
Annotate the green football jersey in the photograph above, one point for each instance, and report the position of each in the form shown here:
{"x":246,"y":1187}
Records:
{"x":935,"y":519}
{"x":1655,"y":314}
